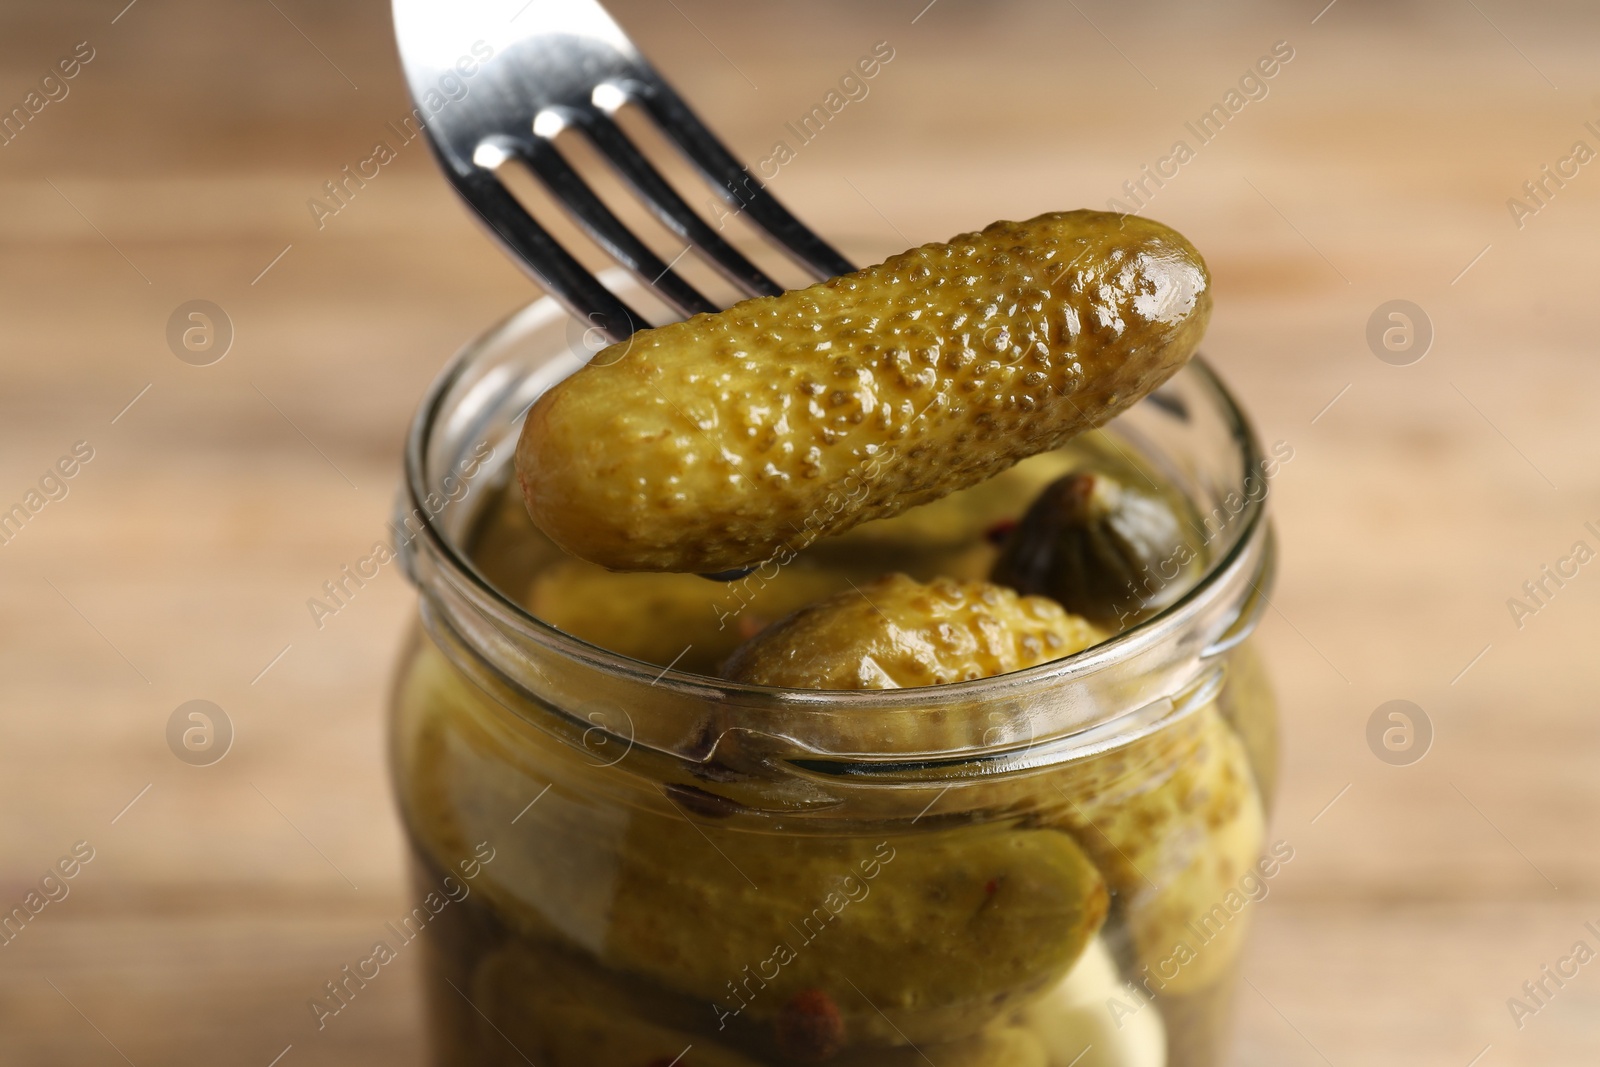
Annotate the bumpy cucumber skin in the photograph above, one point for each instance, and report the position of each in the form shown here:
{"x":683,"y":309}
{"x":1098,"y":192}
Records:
{"x":1175,"y":822}
{"x":896,"y":633}
{"x":939,"y":933}
{"x":731,"y":439}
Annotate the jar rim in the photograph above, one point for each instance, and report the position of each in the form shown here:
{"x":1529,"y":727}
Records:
{"x":1249,"y":552}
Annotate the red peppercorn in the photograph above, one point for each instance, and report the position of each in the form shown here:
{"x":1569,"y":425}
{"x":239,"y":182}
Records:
{"x":997,"y":534}
{"x":810,"y":1026}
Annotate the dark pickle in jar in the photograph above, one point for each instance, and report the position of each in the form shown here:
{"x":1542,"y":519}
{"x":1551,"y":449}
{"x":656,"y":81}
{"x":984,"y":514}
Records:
{"x":1105,"y":551}
{"x":752,"y":907}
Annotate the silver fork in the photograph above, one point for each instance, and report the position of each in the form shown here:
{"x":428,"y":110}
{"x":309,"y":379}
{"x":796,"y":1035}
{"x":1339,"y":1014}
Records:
{"x":559,"y":64}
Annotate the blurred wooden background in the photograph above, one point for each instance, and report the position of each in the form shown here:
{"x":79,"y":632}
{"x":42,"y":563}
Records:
{"x":1378,"y":167}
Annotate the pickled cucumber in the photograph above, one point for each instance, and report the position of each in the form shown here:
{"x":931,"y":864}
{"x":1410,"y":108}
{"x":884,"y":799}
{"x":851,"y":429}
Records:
{"x":1000,"y":1046}
{"x":736,"y":438}
{"x":676,"y":619}
{"x":1097,"y":548}
{"x":746,"y":922}
{"x":896,"y":633}
{"x":559,"y":1015}
{"x":1175,"y":822}
{"x":1247,"y":703}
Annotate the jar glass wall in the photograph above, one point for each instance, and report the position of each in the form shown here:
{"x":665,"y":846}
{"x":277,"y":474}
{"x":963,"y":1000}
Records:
{"x":630,"y":863}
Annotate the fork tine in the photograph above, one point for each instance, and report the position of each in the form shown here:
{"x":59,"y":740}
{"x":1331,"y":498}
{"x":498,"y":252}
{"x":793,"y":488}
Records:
{"x":568,"y":186}
{"x":736,"y":183}
{"x":561,"y":275}
{"x":669,"y":207}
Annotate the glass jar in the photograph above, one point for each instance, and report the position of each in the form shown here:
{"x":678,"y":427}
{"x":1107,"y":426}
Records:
{"x":620,"y":863}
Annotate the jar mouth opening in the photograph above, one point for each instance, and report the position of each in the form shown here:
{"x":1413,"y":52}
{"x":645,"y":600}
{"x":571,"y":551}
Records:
{"x":1220,"y":577}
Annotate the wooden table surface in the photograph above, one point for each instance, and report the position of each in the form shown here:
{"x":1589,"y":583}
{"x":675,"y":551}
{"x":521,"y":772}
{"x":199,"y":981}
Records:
{"x":1378,"y":166}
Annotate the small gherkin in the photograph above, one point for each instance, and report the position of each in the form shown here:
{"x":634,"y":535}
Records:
{"x":1099,"y":549}
{"x":897,"y":633}
{"x":732,"y":439}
